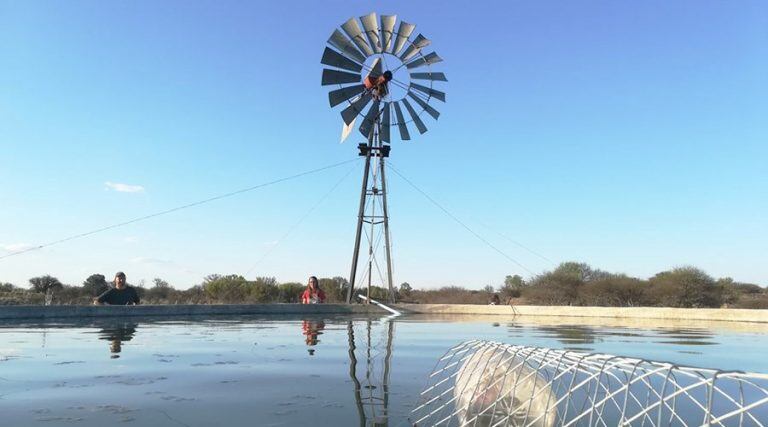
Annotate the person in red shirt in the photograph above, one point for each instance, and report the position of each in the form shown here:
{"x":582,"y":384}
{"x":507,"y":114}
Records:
{"x":377,"y":85}
{"x":313,"y":294}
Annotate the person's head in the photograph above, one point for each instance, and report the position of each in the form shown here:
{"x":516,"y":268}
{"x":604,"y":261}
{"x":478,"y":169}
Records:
{"x":387,"y":75}
{"x":119,"y":280}
{"x":313,"y":284}
{"x":115,"y":346}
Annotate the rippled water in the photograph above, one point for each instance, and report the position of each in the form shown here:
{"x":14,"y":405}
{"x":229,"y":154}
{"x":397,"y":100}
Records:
{"x":292,"y":371}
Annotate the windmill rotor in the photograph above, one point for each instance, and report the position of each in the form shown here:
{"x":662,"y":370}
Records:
{"x":363,"y":50}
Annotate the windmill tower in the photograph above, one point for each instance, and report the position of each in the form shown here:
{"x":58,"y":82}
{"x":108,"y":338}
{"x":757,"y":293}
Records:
{"x":379,"y":66}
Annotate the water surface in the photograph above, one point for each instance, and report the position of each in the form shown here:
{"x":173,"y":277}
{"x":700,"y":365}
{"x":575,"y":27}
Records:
{"x":274,"y":371}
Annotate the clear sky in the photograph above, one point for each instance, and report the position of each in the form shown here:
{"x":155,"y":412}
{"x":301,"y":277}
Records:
{"x":629,"y":135}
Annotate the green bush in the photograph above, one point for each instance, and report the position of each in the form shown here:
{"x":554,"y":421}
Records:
{"x":290,"y":292}
{"x":335,"y":289}
{"x":559,"y":286}
{"x":230,"y":289}
{"x":263,"y":290}
{"x":686,"y":287}
{"x":616,"y":291}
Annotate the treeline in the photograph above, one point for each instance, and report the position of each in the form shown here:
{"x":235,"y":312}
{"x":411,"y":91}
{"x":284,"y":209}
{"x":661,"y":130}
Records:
{"x":579,"y":284}
{"x":215,"y":289}
{"x":570,"y":283}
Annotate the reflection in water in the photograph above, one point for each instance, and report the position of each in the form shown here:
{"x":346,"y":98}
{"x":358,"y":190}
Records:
{"x":686,"y":337}
{"x":116,"y":334}
{"x":582,"y":338}
{"x":311,"y":329}
{"x":570,"y":335}
{"x":372,"y":393}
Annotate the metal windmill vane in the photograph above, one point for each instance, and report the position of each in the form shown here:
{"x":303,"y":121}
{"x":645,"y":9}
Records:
{"x":371,"y":63}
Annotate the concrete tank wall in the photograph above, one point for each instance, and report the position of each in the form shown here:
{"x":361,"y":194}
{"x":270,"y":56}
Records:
{"x":709,"y":314}
{"x":72,"y":311}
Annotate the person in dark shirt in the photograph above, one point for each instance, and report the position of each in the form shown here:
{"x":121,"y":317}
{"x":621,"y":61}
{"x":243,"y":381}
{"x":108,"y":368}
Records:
{"x":121,"y":294}
{"x":116,"y":334}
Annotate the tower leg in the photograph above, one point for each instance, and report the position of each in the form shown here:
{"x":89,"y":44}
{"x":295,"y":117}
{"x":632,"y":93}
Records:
{"x":386,"y":230}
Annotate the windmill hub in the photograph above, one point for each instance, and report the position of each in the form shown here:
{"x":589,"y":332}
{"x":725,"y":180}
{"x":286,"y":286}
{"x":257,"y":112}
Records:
{"x":358,"y":52}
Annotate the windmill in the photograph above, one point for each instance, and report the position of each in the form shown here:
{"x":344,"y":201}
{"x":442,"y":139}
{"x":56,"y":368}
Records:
{"x":389,"y":70}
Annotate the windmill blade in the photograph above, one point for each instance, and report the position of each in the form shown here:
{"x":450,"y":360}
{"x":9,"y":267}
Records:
{"x":371,"y":25}
{"x":416,"y":119}
{"x":387,"y":28}
{"x":333,"y":77}
{"x":429,"y":76}
{"x":336,"y":97}
{"x":384,"y":129}
{"x":354,"y":109}
{"x":419,"y":43}
{"x":335,"y":59}
{"x":434,"y":93}
{"x":370,"y":118}
{"x":428,"y":108}
{"x":356,"y":35}
{"x":428,"y":59}
{"x":403,"y":32}
{"x":376,"y":69}
{"x":346,"y":129}
{"x":404,"y":135}
{"x":342,"y":43}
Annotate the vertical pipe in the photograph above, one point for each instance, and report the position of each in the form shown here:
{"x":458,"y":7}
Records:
{"x":386,"y":230}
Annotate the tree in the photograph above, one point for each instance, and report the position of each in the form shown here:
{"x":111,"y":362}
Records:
{"x":617,"y":291}
{"x":559,"y":286}
{"x":335,"y":288}
{"x":405,"y":289}
{"x":44,"y":284}
{"x":6,"y":287}
{"x":687,"y":287}
{"x":159,"y":290}
{"x":231,"y":289}
{"x":290,"y":292}
{"x":513,"y":287}
{"x":263,"y":289}
{"x":95,"y":285}
{"x":488,"y":289}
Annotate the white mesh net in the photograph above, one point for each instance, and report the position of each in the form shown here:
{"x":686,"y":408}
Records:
{"x":481,"y":383}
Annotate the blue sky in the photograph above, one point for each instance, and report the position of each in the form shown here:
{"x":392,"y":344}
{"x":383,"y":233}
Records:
{"x":629,"y":135}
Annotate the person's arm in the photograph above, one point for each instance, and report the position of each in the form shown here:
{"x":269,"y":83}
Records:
{"x":321,"y":295}
{"x":136,"y":299}
{"x":101,"y":299}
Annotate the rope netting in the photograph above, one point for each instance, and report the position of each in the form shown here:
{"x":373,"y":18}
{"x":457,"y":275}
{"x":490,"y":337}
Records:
{"x":481,"y":383}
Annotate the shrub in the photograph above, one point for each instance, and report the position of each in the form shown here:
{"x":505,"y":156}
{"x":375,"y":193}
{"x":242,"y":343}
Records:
{"x":7,"y":287}
{"x":263,"y":290}
{"x":226,"y":289}
{"x":290,"y":292}
{"x":753,"y":301}
{"x":616,"y":291}
{"x":686,"y":287}
{"x":560,"y":286}
{"x":335,"y":289}
{"x":512,"y":288}
{"x":160,"y":291}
